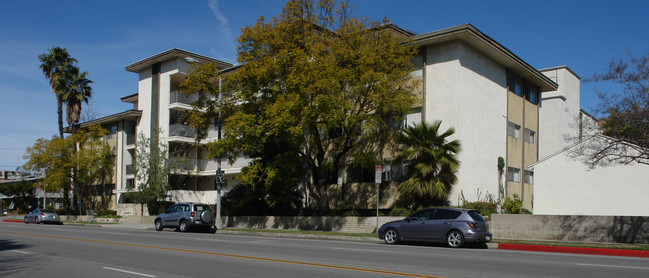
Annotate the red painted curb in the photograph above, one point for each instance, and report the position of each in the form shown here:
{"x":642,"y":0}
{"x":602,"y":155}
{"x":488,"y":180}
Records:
{"x":13,"y":220}
{"x":576,"y":250}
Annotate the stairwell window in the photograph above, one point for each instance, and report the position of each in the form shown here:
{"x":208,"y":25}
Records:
{"x":530,"y":136}
{"x":513,"y":174}
{"x":529,"y":177}
{"x":514,"y":130}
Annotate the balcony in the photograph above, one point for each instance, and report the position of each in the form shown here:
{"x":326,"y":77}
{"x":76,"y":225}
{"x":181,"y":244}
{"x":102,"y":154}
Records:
{"x":177,"y":97}
{"x":130,"y":139}
{"x":182,"y":131}
{"x":130,"y":169}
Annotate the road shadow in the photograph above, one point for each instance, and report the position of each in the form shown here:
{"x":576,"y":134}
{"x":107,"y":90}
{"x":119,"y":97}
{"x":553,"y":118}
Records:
{"x":11,"y":261}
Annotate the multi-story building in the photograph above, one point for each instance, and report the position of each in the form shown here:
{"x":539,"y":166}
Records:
{"x":469,"y":81}
{"x":160,"y":110}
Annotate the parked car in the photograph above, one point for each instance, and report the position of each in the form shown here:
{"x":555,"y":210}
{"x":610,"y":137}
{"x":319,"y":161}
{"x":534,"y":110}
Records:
{"x":454,"y":227}
{"x":184,"y":216}
{"x":43,"y":216}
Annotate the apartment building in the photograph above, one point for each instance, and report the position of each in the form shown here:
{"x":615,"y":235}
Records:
{"x":500,"y":107}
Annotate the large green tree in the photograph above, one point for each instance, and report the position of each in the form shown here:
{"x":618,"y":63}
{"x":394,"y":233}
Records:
{"x":58,"y":157}
{"x":320,"y":81}
{"x":54,"y":64}
{"x":625,"y":124}
{"x":433,"y":162}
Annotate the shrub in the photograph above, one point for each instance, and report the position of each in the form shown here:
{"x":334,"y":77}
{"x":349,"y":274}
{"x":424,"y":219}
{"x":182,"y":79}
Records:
{"x":397,"y":211}
{"x":513,"y":206}
{"x":485,"y":208}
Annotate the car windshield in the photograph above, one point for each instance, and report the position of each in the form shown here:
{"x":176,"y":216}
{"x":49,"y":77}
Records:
{"x":476,"y":215}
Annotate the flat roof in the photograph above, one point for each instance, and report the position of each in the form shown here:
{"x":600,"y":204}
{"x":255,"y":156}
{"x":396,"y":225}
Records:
{"x":173,"y":53}
{"x":130,"y":114}
{"x":474,"y":37}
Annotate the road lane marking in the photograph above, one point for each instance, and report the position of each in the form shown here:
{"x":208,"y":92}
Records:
{"x":21,"y":252}
{"x":615,"y":266}
{"x":340,"y":267}
{"x":362,"y":250}
{"x":129,"y":272}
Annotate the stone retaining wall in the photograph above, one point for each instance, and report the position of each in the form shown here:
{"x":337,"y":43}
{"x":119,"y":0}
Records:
{"x":312,"y":223}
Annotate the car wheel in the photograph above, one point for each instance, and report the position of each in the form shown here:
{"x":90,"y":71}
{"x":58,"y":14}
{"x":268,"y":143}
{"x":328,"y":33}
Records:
{"x":183,"y":226}
{"x":158,"y":225}
{"x":391,"y":236}
{"x":454,"y":239}
{"x":37,"y":220}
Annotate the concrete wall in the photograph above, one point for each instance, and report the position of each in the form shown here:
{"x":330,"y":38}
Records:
{"x":467,"y":90}
{"x":565,"y":186}
{"x":621,"y":229}
{"x":315,"y":223}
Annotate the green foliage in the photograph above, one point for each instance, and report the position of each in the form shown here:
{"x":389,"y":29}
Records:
{"x":399,"y":211}
{"x":91,"y":164}
{"x":55,"y":64}
{"x":23,"y":192}
{"x":107,"y":212}
{"x":153,"y":166}
{"x":435,"y":164}
{"x":325,"y":84}
{"x":485,"y":208}
{"x":513,"y":206}
{"x":156,"y":207}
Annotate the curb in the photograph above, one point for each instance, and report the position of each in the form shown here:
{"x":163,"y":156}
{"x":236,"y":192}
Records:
{"x":575,"y":250}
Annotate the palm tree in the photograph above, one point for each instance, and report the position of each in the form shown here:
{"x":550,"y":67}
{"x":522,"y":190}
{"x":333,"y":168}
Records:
{"x":53,"y":64}
{"x":76,"y":89}
{"x":434,"y":161}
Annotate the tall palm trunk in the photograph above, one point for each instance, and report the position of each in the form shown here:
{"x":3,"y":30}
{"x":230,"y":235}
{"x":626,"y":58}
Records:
{"x":60,"y":113}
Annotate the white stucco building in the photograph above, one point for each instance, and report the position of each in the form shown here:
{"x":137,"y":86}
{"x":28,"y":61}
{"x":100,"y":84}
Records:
{"x":499,"y":105}
{"x":564,"y":185}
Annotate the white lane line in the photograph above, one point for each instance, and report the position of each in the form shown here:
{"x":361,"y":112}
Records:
{"x":362,"y":250}
{"x":129,"y":272}
{"x":615,"y":266}
{"x":21,"y":252}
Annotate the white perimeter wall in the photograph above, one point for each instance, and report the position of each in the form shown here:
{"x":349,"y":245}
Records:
{"x":568,"y":187}
{"x":467,"y":91}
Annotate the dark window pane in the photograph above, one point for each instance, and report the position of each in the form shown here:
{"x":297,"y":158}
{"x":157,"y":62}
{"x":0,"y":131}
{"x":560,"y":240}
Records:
{"x":476,"y":215}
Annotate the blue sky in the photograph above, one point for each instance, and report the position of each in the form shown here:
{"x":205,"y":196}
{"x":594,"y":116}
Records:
{"x":106,"y":36}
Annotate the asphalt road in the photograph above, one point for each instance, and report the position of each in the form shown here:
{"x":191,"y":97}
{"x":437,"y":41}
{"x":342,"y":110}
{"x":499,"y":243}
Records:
{"x":81,"y":251}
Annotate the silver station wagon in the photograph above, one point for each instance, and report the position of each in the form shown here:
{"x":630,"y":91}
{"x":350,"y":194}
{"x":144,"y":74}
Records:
{"x":454,"y":227}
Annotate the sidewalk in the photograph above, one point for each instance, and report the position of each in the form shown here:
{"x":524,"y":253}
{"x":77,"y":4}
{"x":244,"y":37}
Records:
{"x":502,"y":246}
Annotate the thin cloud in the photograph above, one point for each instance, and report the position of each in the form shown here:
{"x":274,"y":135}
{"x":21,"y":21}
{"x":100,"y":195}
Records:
{"x":223,"y":28}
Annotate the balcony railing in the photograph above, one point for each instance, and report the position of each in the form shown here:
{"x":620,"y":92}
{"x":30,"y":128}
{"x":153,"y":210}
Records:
{"x":182,"y":131}
{"x":130,"y":169}
{"x":177,"y":97}
{"x":130,"y":139}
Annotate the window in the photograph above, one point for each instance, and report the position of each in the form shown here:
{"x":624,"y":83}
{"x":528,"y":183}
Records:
{"x":532,"y":94}
{"x":446,"y":214}
{"x":515,"y":86}
{"x":514,"y":130}
{"x":530,"y":136}
{"x":513,"y":174}
{"x":423,"y":215}
{"x":529,"y":177}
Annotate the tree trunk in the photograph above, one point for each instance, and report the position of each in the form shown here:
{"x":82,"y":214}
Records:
{"x":60,"y":112}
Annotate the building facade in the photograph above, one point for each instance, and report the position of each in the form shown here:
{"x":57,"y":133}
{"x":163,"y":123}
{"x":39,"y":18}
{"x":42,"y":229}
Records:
{"x":500,"y":107}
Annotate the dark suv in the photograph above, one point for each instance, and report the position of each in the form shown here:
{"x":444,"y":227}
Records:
{"x":184,"y":216}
